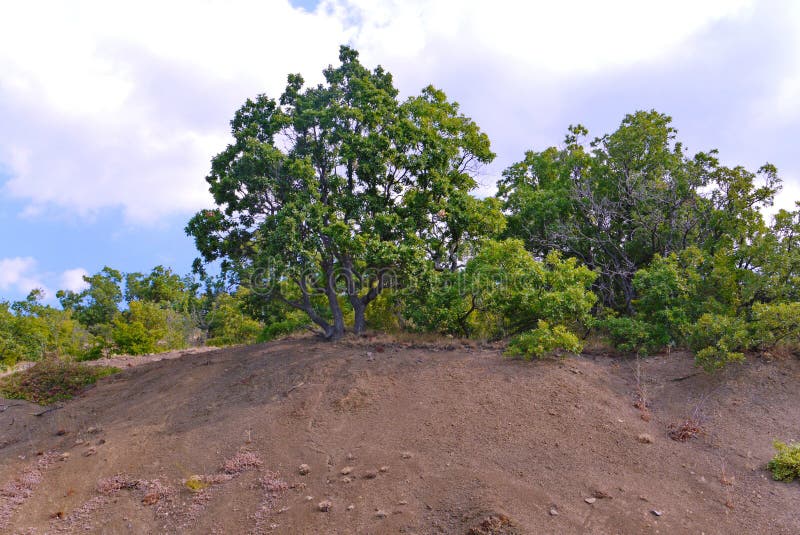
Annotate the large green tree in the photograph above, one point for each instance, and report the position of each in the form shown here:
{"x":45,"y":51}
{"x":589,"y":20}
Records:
{"x":332,"y":187}
{"x":617,"y":201}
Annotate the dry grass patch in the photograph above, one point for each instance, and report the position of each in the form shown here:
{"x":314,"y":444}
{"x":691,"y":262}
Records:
{"x":52,"y":380}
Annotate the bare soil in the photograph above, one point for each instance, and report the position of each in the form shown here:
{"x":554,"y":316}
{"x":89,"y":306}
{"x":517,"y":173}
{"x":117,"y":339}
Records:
{"x":404,"y":438}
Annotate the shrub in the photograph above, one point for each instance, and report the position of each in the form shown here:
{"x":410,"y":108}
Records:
{"x":507,"y":281}
{"x":52,"y":380}
{"x":151,"y":327}
{"x":630,"y":334}
{"x":438,"y":301}
{"x":667,"y":291}
{"x":785,"y":466}
{"x":383,"y":313}
{"x":775,"y":324}
{"x":543,"y":341}
{"x":133,"y":338}
{"x":718,"y":340}
{"x":229,"y":325}
{"x":293,"y":322}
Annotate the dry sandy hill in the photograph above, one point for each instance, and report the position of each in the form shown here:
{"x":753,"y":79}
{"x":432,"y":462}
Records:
{"x":403,"y":439}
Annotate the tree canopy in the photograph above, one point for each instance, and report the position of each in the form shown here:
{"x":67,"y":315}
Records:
{"x":343,"y":205}
{"x":334,"y":187}
{"x":620,"y":199}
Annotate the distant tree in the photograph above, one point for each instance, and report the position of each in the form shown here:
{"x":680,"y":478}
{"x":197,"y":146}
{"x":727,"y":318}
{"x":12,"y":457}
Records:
{"x":99,"y":303}
{"x":161,"y":286}
{"x":29,"y":330}
{"x":332,"y":186}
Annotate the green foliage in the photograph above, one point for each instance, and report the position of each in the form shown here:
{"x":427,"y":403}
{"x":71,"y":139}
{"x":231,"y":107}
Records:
{"x":785,"y":466}
{"x":502,"y":290}
{"x":164,"y":313}
{"x":29,"y":330}
{"x":162,"y":287}
{"x":229,"y":325}
{"x":668,"y":293}
{"x":11,"y":348}
{"x":147,"y":327}
{"x":98,"y":304}
{"x":775,"y":324}
{"x":542,"y":341}
{"x":294,"y":321}
{"x":508,"y":282}
{"x":331,"y":186}
{"x":631,"y":334}
{"x":384,"y":314}
{"x":438,"y":301}
{"x":52,"y":380}
{"x":133,"y":338}
{"x":621,"y":199}
{"x":718,"y":340}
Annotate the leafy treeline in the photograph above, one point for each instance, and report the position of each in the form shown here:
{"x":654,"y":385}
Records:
{"x":683,"y":253}
{"x":344,"y":206}
{"x":353,"y":206}
{"x":131,"y":313}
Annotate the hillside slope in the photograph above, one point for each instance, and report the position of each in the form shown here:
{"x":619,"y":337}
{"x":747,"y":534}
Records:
{"x":399,"y":439}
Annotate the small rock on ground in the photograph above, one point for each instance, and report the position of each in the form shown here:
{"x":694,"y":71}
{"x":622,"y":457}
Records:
{"x":645,"y":438}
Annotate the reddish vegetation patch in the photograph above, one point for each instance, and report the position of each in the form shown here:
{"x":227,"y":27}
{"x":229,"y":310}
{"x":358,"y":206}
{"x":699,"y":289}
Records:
{"x":272,"y":485}
{"x":114,"y":484}
{"x":241,"y":462}
{"x":683,"y":431}
{"x":152,"y":490}
{"x":79,"y":518}
{"x":14,"y":493}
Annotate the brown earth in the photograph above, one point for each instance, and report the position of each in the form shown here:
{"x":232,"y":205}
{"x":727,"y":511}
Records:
{"x":404,"y":439}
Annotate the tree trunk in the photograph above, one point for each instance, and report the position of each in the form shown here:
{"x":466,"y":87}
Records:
{"x":337,"y":328}
{"x":359,"y":314}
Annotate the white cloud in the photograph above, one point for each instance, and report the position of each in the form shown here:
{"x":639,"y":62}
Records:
{"x":572,"y":36}
{"x":18,"y":275}
{"x":72,"y":279}
{"x":122,"y":107}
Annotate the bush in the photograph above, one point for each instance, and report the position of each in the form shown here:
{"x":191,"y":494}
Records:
{"x":293,"y":322}
{"x":229,"y":325}
{"x":785,"y":466}
{"x":630,"y":334}
{"x":718,"y":340}
{"x":508,"y":282}
{"x":438,"y":301}
{"x":150,"y":327}
{"x":543,"y":341}
{"x":29,"y":330}
{"x":133,"y":338}
{"x":668,"y":295}
{"x":775,"y":324}
{"x":52,"y":380}
{"x":383,"y":313}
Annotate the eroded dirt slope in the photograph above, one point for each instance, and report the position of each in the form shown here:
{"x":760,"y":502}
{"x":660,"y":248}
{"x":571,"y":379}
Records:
{"x":399,"y":439}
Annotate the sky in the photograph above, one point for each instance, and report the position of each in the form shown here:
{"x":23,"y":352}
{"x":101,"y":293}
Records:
{"x":110,"y":112}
